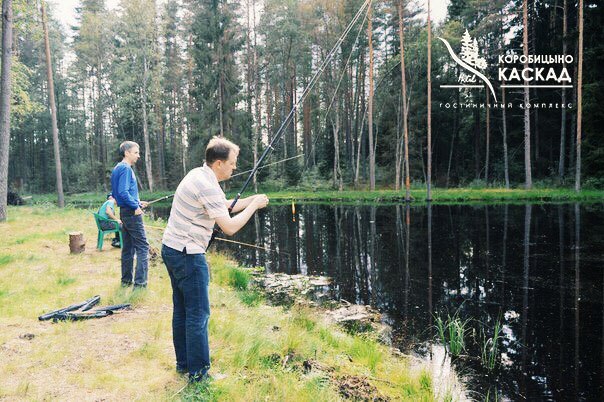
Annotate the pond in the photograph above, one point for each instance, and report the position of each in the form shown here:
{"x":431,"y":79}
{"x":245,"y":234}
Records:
{"x":536,"y":269}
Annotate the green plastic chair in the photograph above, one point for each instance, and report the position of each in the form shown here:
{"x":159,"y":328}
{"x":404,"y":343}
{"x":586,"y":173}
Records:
{"x":98,"y":218}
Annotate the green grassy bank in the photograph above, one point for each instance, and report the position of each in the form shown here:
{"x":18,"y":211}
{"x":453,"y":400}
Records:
{"x":439,"y":196}
{"x":266,"y":352}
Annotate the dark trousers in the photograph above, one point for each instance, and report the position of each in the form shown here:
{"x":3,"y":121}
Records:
{"x":189,"y":275}
{"x":134,"y":242}
{"x":108,"y":225}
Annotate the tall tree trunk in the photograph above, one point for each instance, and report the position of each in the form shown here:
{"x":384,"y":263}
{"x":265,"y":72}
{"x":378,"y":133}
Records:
{"x":534,"y":51}
{"x":248,"y":58}
{"x":563,"y":118}
{"x":370,"y":116}
{"x":360,"y":117}
{"x":220,"y":96}
{"x":477,"y":141}
{"x":53,"y":111}
{"x":455,"y":134}
{"x":506,"y":171}
{"x":488,"y":142}
{"x":527,"y":118}
{"x":404,"y":100}
{"x":5,"y":95}
{"x":161,"y":146}
{"x":98,"y":127}
{"x":429,"y":172}
{"x":257,"y":97}
{"x":573,"y":121}
{"x":579,"y":100}
{"x":337,"y":176}
{"x":191,"y":128}
{"x":148,"y":162}
{"x":398,"y":148}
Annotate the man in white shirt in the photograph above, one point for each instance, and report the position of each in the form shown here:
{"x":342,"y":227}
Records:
{"x":198,"y":204}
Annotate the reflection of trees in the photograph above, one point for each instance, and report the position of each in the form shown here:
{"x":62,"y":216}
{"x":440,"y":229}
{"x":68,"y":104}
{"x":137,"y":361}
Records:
{"x":430,"y":309}
{"x":577,"y":293}
{"x":381,"y":256}
{"x":525,"y":289}
{"x":561,"y":230}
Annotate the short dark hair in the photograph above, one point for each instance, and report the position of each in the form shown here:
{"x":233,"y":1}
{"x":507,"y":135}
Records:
{"x":109,"y":195}
{"x":126,"y":146}
{"x":219,"y":148}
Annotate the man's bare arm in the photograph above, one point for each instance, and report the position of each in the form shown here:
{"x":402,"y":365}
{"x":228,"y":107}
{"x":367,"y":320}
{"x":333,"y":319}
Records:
{"x":110,"y":214}
{"x":230,"y":226}
{"x":241,"y":204}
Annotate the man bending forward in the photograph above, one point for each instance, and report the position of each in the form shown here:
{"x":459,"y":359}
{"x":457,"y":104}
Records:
{"x":199,"y":202}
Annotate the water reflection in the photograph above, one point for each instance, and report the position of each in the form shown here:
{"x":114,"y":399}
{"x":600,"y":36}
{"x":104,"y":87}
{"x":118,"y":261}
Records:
{"x":534,"y":266}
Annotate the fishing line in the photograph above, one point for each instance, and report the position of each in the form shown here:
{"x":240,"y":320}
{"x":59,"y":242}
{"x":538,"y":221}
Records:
{"x":230,"y":241}
{"x":300,"y":100}
{"x":268,"y":164}
{"x":356,"y":40}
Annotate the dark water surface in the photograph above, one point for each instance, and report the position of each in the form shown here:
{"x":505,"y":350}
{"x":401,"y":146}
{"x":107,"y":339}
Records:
{"x":539,"y":268}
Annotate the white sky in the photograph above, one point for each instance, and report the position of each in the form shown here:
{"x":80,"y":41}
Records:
{"x":65,"y":10}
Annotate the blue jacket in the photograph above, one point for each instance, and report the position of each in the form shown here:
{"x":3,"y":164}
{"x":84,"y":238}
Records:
{"x":124,"y":187}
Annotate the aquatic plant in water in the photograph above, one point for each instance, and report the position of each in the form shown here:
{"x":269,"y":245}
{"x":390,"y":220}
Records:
{"x":452,"y":332}
{"x":490,"y":347}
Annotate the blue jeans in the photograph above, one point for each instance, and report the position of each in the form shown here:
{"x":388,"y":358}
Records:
{"x":109,"y":225}
{"x":190,"y":278}
{"x":134,"y":242}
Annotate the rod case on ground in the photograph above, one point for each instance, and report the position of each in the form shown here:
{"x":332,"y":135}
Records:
{"x":93,"y":302}
{"x":114,"y":307}
{"x":71,"y":316}
{"x":48,"y":316}
{"x":98,"y":313}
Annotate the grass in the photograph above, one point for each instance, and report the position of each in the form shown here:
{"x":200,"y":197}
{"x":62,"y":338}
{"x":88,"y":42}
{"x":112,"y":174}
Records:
{"x":490,"y":347}
{"x":418,"y":194}
{"x":262,"y":349}
{"x":452,"y":332}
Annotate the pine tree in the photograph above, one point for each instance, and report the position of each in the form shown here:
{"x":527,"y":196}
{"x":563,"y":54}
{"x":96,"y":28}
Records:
{"x":5,"y":85}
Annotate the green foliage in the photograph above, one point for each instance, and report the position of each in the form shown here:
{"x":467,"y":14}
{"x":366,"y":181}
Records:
{"x":490,"y":346}
{"x":452,"y":332}
{"x":64,"y":281}
{"x":239,"y":279}
{"x":6,"y":259}
{"x":366,"y":351}
{"x":251,"y":297}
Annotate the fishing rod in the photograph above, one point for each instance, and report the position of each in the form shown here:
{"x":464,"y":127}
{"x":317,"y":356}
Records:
{"x":231,"y":241}
{"x":250,"y":245}
{"x":300,"y":100}
{"x":269,"y":164}
{"x":235,"y":175}
{"x":160,"y":199}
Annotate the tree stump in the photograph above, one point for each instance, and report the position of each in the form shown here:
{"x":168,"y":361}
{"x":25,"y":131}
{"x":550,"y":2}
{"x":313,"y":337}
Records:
{"x":77,"y":244}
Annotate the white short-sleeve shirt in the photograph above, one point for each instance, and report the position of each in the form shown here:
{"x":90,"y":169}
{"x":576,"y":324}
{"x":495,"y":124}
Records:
{"x":198,"y":201}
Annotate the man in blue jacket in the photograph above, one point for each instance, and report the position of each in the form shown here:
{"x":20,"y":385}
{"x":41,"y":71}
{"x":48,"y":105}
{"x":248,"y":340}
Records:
{"x":125,"y":191}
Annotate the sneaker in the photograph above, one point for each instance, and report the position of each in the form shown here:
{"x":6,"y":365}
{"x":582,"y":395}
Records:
{"x":116,"y":243}
{"x":126,"y":284}
{"x":140,"y":287}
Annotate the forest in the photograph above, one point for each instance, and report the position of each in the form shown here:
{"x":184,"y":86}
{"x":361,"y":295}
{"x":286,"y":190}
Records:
{"x":171,"y":74}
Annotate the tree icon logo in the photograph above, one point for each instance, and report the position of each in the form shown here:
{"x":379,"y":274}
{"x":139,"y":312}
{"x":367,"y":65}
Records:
{"x":471,"y":62}
{"x":469,"y":52}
